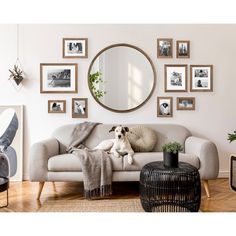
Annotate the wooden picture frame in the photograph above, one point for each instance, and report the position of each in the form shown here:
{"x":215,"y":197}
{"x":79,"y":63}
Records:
{"x":80,"y":110}
{"x":162,"y":111}
{"x":75,"y":47}
{"x":201,"y":78}
{"x":56,"y":106}
{"x":58,"y":78}
{"x":165,"y":48}
{"x":182,"y":49}
{"x":185,"y":103}
{"x":176,"y":78}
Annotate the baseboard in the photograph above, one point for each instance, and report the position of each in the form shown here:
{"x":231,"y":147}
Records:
{"x":223,"y":174}
{"x":26,"y":176}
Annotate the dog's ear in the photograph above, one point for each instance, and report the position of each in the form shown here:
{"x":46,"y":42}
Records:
{"x":112,"y":129}
{"x":126,"y":129}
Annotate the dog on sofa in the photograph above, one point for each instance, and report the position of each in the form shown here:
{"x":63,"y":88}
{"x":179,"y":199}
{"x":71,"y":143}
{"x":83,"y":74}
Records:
{"x":120,"y":145}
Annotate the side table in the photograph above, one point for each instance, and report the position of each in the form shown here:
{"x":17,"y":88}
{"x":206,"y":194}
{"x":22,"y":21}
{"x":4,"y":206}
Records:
{"x":170,"y":189}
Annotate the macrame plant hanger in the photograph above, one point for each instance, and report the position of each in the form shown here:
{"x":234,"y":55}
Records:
{"x":17,"y":73}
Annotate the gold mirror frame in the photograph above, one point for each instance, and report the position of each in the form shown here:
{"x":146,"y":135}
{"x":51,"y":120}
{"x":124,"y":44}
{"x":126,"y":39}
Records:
{"x":153,"y":69}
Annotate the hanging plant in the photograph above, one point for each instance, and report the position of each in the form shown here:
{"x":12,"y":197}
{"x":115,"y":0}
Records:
{"x":95,"y":79}
{"x":16,"y":74}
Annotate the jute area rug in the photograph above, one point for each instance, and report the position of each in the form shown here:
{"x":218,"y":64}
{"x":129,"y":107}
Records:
{"x":82,"y":205}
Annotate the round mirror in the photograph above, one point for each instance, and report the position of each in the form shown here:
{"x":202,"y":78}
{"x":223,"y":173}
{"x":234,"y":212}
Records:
{"x":121,"y":77}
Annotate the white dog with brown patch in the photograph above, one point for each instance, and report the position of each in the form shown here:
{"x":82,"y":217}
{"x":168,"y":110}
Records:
{"x":119,"y":146}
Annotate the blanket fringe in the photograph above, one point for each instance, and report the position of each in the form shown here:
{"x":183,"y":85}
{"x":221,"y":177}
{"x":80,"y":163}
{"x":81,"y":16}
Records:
{"x":102,"y":191}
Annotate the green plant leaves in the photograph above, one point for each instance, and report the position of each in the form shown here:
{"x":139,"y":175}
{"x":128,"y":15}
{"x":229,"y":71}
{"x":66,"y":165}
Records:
{"x":172,"y":147}
{"x":95,"y":78}
{"x":232,"y":137}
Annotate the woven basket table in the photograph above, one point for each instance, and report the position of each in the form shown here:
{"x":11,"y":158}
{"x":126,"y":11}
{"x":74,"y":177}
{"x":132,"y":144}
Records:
{"x":170,"y":189}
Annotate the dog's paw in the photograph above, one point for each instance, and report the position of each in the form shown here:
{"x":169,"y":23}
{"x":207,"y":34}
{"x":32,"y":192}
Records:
{"x":130,"y":159}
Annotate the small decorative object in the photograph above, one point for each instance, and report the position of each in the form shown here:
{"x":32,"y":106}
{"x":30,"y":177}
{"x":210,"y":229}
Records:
{"x":176,"y":78}
{"x":183,"y":49}
{"x":232,"y":137}
{"x":79,"y":108}
{"x":185,"y":103}
{"x":201,"y":78}
{"x":171,"y":154}
{"x":56,"y":106}
{"x":164,"y":48}
{"x":16,"y":73}
{"x":94,"y":80}
{"x":75,"y":47}
{"x":164,"y":106}
{"x":58,"y":78}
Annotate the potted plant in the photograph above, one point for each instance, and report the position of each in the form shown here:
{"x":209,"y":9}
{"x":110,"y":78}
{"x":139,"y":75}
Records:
{"x":171,"y":154}
{"x":232,"y":137}
{"x":16,"y":74}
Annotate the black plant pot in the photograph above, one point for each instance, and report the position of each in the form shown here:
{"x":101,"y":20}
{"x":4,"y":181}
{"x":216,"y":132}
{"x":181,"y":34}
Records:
{"x":171,"y":159}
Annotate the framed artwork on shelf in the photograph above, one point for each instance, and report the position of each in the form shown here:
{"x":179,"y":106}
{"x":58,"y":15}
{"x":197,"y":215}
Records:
{"x":185,"y":103}
{"x":164,"y":48}
{"x":164,"y":106}
{"x":183,"y":49}
{"x":79,"y":108}
{"x":176,"y":78}
{"x":58,"y":78}
{"x":75,"y":48}
{"x":201,"y":78}
{"x":56,"y":106}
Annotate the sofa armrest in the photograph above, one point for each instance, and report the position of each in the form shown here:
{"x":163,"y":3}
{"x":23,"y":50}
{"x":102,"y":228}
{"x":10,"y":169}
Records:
{"x":207,"y":153}
{"x":39,"y":154}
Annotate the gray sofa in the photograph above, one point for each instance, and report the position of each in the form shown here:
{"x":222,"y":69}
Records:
{"x":50,"y":162}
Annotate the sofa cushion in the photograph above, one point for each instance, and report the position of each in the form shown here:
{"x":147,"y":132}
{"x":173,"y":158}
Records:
{"x":71,"y":163}
{"x":141,"y":159}
{"x":142,"y":139}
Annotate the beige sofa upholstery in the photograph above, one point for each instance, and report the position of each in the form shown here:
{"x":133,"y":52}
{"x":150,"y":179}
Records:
{"x":50,"y":162}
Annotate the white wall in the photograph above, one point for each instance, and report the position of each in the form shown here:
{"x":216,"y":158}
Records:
{"x":215,"y":113}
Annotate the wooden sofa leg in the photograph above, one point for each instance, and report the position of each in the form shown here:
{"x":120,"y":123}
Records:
{"x":206,"y":187}
{"x":41,"y":184}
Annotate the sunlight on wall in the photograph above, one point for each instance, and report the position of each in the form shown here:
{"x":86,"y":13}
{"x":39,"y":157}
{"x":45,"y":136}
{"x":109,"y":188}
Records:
{"x":135,"y":93}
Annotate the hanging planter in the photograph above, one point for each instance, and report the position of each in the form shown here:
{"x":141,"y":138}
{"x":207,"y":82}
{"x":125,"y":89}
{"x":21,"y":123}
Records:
{"x":16,"y":73}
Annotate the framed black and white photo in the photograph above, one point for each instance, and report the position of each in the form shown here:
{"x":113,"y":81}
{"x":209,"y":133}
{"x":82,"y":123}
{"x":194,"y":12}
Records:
{"x":185,"y":103}
{"x":176,"y":78}
{"x":201,"y":78}
{"x":164,"y":48}
{"x":56,"y":106}
{"x":79,"y":108}
{"x":58,"y":78}
{"x":75,"y":47}
{"x":183,"y":49}
{"x":164,"y":106}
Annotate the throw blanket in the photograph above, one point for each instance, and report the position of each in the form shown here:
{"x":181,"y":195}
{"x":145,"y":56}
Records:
{"x":96,"y":164}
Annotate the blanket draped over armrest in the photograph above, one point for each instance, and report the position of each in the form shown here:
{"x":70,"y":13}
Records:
{"x":96,"y":164}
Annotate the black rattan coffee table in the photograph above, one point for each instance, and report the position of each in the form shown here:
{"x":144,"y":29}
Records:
{"x":170,"y":189}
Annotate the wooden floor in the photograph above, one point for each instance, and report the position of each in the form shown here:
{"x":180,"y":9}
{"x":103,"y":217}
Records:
{"x":22,"y":195}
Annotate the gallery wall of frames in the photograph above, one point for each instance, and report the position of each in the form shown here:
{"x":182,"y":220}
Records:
{"x":63,"y":77}
{"x":194,"y":64}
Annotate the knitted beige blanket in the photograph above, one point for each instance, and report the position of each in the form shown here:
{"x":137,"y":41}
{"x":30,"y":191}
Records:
{"x":96,"y":164}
